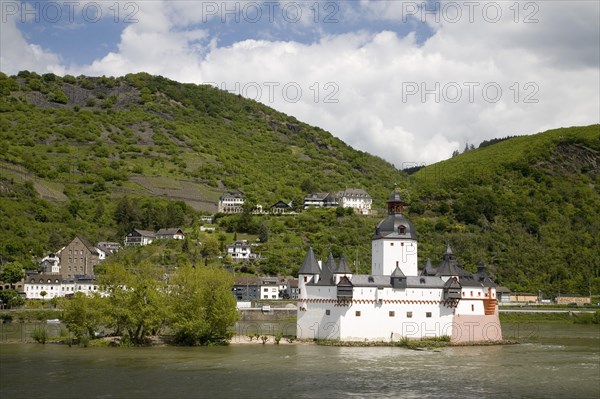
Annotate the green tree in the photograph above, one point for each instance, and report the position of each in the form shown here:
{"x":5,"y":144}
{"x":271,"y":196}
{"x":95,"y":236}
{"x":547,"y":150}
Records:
{"x":137,"y":302}
{"x":263,"y":233}
{"x":83,"y":314}
{"x":210,"y":248}
{"x":11,"y":298}
{"x":12,"y":273}
{"x":202,"y":308}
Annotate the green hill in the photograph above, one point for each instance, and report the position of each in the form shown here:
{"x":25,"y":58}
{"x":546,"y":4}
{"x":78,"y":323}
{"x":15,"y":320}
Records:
{"x":528,"y":206}
{"x":82,"y":143}
{"x":96,"y":156}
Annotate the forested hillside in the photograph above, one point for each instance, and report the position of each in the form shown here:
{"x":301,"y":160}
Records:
{"x":97,"y":156}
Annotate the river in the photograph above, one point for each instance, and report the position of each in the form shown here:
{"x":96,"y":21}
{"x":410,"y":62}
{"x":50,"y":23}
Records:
{"x":552,"y":361}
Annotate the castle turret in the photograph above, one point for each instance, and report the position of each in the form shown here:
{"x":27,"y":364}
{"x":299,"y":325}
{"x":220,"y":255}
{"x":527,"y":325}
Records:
{"x":309,"y":272}
{"x":342,"y":270}
{"x":326,"y":276}
{"x":394,"y":243}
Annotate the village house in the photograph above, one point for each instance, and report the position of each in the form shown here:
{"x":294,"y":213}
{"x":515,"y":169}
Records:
{"x":139,"y":238}
{"x":170,"y":233}
{"x":51,"y":263}
{"x":108,"y":247}
{"x":282,"y":208}
{"x":55,"y":286}
{"x":357,"y":199}
{"x":354,"y":198}
{"x":231,"y":203}
{"x":240,"y":251}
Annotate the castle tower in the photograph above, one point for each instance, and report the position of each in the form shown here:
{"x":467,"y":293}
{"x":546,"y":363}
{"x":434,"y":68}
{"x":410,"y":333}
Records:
{"x":394,"y":243}
{"x":309,"y":272}
{"x":342,"y":270}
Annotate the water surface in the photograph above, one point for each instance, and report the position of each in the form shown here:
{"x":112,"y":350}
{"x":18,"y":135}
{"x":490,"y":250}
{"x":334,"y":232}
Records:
{"x":552,"y":361}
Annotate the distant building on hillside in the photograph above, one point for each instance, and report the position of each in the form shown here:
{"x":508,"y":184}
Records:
{"x":79,"y":257}
{"x":354,"y":198}
{"x":108,"y":247}
{"x":240,"y":251}
{"x":170,"y":233}
{"x":51,"y":264}
{"x":282,"y":208}
{"x":231,"y":203}
{"x":137,"y":237}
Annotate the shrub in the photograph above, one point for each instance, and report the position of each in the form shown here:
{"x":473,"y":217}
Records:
{"x":40,"y":334}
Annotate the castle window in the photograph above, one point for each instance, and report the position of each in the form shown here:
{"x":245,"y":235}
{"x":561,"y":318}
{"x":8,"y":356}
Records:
{"x":305,"y":279}
{"x":428,"y":314}
{"x":472,"y":308}
{"x":391,"y":244}
{"x":357,"y":313}
{"x":401,"y":229}
{"x":327,"y":312}
{"x":479,"y":294}
{"x":471,"y":293}
{"x":409,"y":315}
{"x":392,"y":313}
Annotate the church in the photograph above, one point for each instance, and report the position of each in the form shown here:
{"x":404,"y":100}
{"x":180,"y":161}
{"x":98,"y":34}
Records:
{"x":396,"y":300}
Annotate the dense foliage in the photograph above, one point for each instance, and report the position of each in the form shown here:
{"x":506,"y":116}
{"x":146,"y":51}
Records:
{"x":195,"y":305}
{"x":147,"y":152}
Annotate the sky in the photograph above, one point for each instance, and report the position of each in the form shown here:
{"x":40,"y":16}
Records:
{"x":409,"y":81}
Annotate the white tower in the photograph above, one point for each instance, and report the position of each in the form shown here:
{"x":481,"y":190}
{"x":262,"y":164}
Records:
{"x":394,"y":243}
{"x":309,"y":273}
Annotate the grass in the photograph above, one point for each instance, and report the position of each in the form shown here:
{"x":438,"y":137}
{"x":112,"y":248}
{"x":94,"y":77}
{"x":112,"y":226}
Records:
{"x":558,"y":318}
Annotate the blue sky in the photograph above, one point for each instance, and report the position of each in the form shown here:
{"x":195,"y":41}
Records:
{"x":407,"y":83}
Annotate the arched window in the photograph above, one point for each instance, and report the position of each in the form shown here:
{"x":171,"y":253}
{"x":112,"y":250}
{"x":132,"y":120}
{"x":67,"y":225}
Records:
{"x":401,"y":229}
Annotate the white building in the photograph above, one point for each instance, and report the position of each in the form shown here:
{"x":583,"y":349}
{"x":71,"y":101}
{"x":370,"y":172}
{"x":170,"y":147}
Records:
{"x":55,"y":286}
{"x":349,"y":198}
{"x":356,"y":199}
{"x":395,"y":300}
{"x":231,"y":203}
{"x":170,"y":233}
{"x":240,"y":251}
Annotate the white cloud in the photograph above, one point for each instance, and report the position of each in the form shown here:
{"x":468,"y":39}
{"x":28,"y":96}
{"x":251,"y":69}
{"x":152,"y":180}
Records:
{"x":553,"y":61}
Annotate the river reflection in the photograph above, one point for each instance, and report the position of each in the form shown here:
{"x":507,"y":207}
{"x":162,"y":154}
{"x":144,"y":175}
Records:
{"x":560,"y":361}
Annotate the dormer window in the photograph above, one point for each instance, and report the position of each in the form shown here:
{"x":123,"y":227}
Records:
{"x":401,"y":229}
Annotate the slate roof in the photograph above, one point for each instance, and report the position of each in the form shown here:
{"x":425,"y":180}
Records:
{"x":310,"y":265}
{"x":424,"y":282}
{"x":450,"y":267}
{"x":428,"y":270}
{"x":88,"y":245}
{"x":397,"y":272}
{"x":366,"y":280}
{"x":342,"y":267}
{"x":326,"y":277}
{"x":389,"y":228}
{"x":145,"y":233}
{"x":169,"y":231}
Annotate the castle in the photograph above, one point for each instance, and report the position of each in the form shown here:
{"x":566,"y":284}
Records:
{"x":396,"y":300}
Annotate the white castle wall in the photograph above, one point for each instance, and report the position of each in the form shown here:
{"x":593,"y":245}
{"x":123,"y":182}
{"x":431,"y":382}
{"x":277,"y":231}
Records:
{"x":386,"y":254}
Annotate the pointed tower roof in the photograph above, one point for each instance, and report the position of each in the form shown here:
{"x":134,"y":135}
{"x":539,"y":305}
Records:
{"x":428,"y":270}
{"x":482,"y":276}
{"x":397,"y":272}
{"x":449,"y":266}
{"x":310,"y":265}
{"x":326,"y":277}
{"x":342,"y":267}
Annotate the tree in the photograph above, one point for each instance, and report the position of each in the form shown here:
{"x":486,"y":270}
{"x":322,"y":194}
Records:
{"x":43,"y":294}
{"x":263,"y":233}
{"x":210,"y":248}
{"x":201,"y":305}
{"x":11,"y":273}
{"x":137,"y":301}
{"x":11,"y":298}
{"x":83,"y":314}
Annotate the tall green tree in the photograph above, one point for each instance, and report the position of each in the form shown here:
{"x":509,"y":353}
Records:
{"x":202,"y":308}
